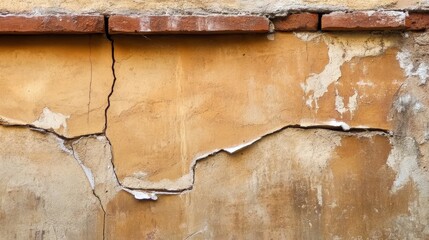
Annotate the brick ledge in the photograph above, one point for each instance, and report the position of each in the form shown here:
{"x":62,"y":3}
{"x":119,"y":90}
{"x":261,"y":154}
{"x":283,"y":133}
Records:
{"x":214,"y":24}
{"x":51,"y":24}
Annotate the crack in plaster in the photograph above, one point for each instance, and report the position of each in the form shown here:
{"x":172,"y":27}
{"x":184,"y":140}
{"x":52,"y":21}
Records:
{"x":186,"y":182}
{"x":51,"y":120}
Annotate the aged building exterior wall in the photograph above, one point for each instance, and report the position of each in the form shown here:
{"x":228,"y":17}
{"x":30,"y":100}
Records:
{"x":272,"y":129}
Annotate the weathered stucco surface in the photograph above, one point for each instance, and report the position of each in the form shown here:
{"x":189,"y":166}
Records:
{"x":44,"y":194}
{"x":55,"y":83}
{"x":203,"y":7}
{"x":286,"y":135}
{"x":262,"y":193}
{"x":179,"y":98}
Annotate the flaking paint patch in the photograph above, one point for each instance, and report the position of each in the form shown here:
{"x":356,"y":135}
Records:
{"x":353,"y":103}
{"x":51,"y":120}
{"x":141,"y":195}
{"x":339,"y":104}
{"x":404,"y":159}
{"x":86,"y":170}
{"x":341,"y":49}
{"x":411,"y":69}
{"x":330,"y":123}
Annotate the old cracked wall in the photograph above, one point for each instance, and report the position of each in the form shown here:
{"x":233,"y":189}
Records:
{"x":286,"y":136}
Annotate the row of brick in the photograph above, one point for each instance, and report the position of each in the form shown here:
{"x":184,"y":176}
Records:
{"x":122,"y":24}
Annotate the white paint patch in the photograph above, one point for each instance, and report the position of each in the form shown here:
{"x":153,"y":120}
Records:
{"x":341,"y":124}
{"x":406,"y":63}
{"x":339,"y":104}
{"x":332,"y":123}
{"x":63,"y":147}
{"x":234,"y":149}
{"x":404,"y":160}
{"x":340,"y":51}
{"x":353,"y":103}
{"x":86,"y":170}
{"x":51,"y":120}
{"x":140,"y":195}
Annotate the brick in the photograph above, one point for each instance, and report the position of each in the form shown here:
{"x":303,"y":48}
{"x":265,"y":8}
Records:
{"x":297,"y":22}
{"x":417,"y":21}
{"x":51,"y":24}
{"x":364,"y":21}
{"x":119,"y":24}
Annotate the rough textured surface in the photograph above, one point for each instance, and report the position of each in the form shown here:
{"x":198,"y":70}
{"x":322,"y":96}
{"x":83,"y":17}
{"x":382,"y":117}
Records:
{"x":56,"y":83}
{"x":358,"y":21}
{"x":295,"y":184}
{"x":187,"y":24}
{"x":417,"y":21}
{"x":297,"y":22}
{"x":193,"y":126}
{"x":177,"y":100}
{"x":58,"y":24}
{"x":203,"y":7}
{"x":44,"y":192}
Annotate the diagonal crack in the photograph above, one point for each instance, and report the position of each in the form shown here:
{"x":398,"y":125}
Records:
{"x":85,"y":169}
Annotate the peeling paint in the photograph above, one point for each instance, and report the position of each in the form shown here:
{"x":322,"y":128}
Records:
{"x":341,"y":50}
{"x":411,"y":69}
{"x":353,"y":103}
{"x":404,"y":159}
{"x":51,"y":120}
{"x":86,"y":170}
{"x":140,"y":195}
{"x":234,"y":149}
{"x":331,"y":123}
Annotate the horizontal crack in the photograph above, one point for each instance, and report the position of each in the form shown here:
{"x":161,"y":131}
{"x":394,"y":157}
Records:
{"x":232,"y":150}
{"x":44,"y":130}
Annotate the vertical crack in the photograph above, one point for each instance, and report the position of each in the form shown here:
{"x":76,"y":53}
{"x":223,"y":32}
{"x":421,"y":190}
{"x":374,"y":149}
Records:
{"x":112,"y":44}
{"x":113,"y":70}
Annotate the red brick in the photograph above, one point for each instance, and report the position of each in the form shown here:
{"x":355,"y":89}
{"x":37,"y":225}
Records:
{"x":297,"y":22}
{"x":417,"y":21}
{"x":119,"y":24}
{"x":361,"y":21}
{"x":51,"y":24}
